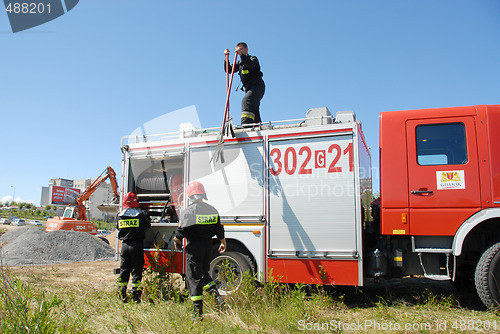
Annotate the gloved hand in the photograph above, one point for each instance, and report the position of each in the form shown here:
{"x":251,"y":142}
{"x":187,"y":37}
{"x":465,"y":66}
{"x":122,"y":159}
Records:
{"x":177,"y":244}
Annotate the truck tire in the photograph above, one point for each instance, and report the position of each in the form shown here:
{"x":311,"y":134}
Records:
{"x":227,"y":270}
{"x":487,"y":276}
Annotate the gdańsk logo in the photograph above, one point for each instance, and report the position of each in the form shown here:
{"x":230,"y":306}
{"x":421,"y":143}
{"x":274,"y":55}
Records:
{"x":26,"y":14}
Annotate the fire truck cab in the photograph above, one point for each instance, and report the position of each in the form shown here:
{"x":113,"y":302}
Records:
{"x":440,"y":196}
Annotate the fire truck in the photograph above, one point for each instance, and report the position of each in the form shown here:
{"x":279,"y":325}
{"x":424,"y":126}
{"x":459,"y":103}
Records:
{"x":294,"y":197}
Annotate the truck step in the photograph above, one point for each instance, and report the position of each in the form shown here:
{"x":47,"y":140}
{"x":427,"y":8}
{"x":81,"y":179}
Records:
{"x":433,"y":250}
{"x":154,"y":195}
{"x":438,"y":277}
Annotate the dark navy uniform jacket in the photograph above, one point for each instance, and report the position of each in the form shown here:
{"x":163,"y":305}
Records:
{"x":132,"y":224}
{"x":248,"y":69}
{"x":200,"y":220}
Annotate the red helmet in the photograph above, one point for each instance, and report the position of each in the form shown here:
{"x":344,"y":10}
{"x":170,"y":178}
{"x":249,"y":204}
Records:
{"x":176,"y":186}
{"x":197,"y":190}
{"x":130,"y":201}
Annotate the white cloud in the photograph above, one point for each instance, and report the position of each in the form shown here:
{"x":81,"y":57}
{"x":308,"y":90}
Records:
{"x":8,"y":198}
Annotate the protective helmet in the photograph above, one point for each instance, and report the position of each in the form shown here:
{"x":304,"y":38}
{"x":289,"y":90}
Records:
{"x":196,"y":190}
{"x":130,"y":201}
{"x":176,"y":187}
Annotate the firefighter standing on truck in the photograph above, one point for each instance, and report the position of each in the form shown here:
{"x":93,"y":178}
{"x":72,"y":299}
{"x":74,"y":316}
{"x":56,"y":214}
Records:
{"x":199,"y":223}
{"x":131,"y":225}
{"x":253,"y":85}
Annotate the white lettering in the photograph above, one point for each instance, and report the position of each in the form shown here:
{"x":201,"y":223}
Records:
{"x":302,"y":325}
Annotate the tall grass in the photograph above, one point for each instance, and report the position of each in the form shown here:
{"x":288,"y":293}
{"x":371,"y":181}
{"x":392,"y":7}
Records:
{"x":31,"y":303}
{"x":28,"y":308}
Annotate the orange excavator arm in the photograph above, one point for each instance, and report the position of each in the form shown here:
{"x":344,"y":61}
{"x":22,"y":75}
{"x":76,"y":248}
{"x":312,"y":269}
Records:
{"x":107,"y":173}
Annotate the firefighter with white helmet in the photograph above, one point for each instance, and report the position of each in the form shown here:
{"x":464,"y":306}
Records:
{"x":132,"y":223}
{"x":199,"y":223}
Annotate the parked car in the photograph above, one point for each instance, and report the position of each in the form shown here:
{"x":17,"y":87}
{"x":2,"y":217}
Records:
{"x":103,"y":232}
{"x":5,"y":221}
{"x":35,"y":222}
{"x":18,"y":222}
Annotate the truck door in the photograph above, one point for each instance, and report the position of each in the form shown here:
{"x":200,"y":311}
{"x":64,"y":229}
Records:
{"x":312,"y":198}
{"x":314,"y":211}
{"x":443,"y":174}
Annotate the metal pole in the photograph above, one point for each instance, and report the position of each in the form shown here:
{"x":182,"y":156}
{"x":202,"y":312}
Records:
{"x":14,"y":194}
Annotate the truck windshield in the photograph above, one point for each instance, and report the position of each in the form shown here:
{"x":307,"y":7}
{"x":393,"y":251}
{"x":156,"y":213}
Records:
{"x":68,"y":213}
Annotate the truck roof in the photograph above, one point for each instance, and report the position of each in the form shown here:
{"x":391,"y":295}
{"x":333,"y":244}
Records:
{"x":315,"y":117}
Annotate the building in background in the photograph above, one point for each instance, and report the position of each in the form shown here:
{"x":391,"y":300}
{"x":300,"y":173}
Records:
{"x":61,"y":183}
{"x":63,"y":192}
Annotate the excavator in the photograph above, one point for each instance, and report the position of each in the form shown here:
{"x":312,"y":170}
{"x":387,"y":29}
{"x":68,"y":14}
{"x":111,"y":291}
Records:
{"x":75,"y":217}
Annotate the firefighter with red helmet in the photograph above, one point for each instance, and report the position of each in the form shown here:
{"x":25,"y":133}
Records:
{"x":132,"y":223}
{"x":199,"y":223}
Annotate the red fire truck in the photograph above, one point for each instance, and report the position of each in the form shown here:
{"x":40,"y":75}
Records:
{"x":294,"y":197}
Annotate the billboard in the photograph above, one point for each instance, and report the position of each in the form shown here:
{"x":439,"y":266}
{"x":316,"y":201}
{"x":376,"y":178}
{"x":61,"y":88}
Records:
{"x":63,"y":195}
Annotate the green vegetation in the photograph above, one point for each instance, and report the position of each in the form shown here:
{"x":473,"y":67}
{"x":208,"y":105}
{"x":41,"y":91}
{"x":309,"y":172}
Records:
{"x":103,"y":225}
{"x":25,"y":210}
{"x":30,"y":211}
{"x":28,"y":308}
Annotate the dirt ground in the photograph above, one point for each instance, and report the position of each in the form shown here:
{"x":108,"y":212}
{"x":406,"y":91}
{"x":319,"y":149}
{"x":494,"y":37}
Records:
{"x":7,"y":228}
{"x":95,"y":274}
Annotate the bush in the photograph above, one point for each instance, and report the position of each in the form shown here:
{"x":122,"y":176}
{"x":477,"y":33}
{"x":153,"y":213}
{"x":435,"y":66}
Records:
{"x":161,"y":284}
{"x":26,"y":309}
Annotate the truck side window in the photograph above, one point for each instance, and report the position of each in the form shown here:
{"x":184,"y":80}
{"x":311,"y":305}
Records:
{"x":441,"y":144}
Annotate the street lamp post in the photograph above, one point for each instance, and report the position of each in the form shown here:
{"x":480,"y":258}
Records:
{"x":14,"y":194}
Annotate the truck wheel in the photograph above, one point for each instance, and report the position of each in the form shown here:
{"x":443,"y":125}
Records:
{"x":227,"y":270}
{"x":487,"y":276}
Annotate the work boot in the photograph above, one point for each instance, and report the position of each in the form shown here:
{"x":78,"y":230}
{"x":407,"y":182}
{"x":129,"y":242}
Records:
{"x":197,"y":310}
{"x":122,"y":292}
{"x":218,"y":298}
{"x":136,"y":296}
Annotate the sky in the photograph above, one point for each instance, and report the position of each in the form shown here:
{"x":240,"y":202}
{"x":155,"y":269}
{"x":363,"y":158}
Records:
{"x":71,"y":88}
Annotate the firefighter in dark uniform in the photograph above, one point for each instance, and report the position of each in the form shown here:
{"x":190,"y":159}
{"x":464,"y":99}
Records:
{"x":199,"y":223}
{"x":131,"y":225}
{"x":253,"y":85}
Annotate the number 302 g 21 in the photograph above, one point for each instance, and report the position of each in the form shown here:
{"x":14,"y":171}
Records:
{"x":286,"y":159}
{"x":27,"y":8}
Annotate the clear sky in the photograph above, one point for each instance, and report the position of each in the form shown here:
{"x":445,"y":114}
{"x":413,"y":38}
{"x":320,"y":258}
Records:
{"x":71,"y":88}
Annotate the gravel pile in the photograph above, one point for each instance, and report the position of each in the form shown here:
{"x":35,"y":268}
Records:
{"x":32,"y":245}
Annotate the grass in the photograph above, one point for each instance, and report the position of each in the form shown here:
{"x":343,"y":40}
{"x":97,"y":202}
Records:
{"x":28,"y":308}
{"x":39,"y":300}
